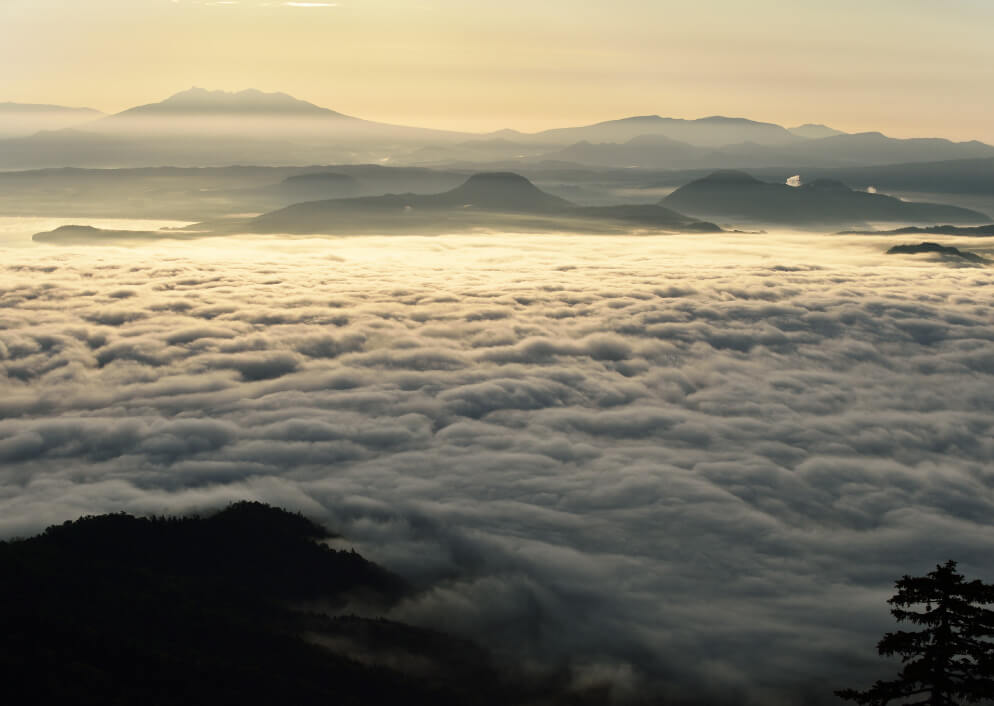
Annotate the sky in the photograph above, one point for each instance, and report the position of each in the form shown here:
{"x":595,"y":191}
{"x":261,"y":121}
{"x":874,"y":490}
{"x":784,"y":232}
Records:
{"x":904,"y":67}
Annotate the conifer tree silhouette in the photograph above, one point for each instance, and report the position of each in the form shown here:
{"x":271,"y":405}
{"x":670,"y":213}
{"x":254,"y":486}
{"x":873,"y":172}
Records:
{"x":950,"y":661}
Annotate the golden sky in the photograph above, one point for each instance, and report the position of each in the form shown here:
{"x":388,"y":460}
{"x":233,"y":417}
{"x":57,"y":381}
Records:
{"x":905,"y":67}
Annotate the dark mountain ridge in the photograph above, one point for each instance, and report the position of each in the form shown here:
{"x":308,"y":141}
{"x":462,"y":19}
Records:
{"x":243,"y":606}
{"x":739,"y":197}
{"x":946,"y":251}
{"x":488,"y":200}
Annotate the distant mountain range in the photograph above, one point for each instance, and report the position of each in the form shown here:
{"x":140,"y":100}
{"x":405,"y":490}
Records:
{"x":841,"y":150}
{"x":199,"y":127}
{"x":714,"y":131}
{"x":23,"y":119}
{"x":737,"y":197}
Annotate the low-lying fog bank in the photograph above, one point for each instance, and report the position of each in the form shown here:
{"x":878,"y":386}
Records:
{"x":686,"y":463}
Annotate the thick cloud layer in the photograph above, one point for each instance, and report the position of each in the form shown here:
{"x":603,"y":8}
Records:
{"x":691,"y":464}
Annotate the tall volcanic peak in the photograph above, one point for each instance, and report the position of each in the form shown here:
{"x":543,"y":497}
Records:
{"x":250,"y":101}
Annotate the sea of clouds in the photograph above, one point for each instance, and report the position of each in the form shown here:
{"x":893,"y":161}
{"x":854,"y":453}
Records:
{"x":692,"y":464}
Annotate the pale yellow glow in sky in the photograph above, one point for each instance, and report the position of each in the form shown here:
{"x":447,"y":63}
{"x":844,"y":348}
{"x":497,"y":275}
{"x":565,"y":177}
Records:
{"x":905,"y":67}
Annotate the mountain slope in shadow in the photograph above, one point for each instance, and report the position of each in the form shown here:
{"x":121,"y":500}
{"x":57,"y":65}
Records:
{"x":737,"y":196}
{"x":245,"y":606}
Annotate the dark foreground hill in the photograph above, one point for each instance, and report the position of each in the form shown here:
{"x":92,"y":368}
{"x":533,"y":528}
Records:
{"x":737,"y":196}
{"x":122,"y":610}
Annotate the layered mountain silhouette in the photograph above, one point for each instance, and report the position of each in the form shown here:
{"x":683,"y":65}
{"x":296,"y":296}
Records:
{"x":23,"y":119}
{"x":956,"y":176}
{"x":198,"y":194}
{"x":876,"y":148}
{"x":839,"y":150}
{"x":200,"y":127}
{"x":738,"y":197}
{"x":488,"y":200}
{"x":320,"y":185}
{"x":643,"y":151}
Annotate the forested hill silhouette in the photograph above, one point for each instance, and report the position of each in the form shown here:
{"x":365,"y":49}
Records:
{"x":116,"y":609}
{"x":493,"y":200}
{"x":737,"y":196}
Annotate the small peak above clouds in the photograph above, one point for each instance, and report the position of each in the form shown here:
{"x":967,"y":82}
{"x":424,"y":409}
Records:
{"x":729,"y":176}
{"x":504,"y":190}
{"x":814,"y":131}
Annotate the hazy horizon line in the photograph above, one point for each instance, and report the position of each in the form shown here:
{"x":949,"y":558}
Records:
{"x":575,"y":122}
